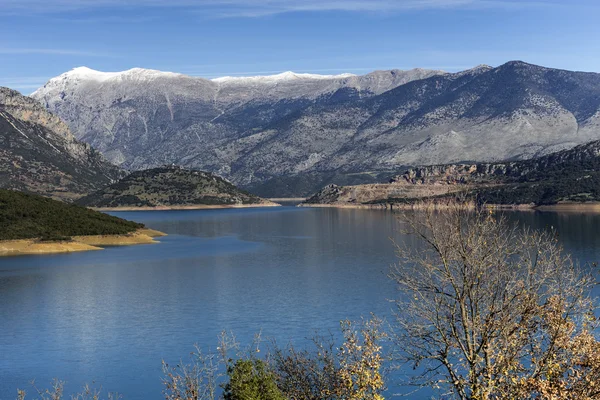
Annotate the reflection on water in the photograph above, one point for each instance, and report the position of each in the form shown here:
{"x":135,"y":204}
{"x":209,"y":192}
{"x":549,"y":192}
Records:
{"x":111,"y":316}
{"x":579,"y":233}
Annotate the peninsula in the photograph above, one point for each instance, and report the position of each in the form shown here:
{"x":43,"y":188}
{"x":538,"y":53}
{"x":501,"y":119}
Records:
{"x":32,"y":224}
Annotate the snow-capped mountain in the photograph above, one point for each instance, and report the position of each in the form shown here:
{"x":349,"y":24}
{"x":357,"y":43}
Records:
{"x":122,"y":113}
{"x":254,"y":128}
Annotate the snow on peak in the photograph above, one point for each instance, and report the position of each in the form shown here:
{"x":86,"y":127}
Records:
{"x":284,"y":76}
{"x":88,"y":74}
{"x":85,"y":73}
{"x":82,"y":75}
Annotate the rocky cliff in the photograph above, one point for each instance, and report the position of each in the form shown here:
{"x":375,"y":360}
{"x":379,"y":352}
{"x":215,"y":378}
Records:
{"x":565,"y":176}
{"x":39,"y":154}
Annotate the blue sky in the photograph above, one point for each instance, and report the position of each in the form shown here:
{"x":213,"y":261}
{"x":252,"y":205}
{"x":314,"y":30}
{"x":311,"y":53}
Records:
{"x":40,"y":39}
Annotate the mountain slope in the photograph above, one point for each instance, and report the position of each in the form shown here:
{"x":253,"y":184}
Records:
{"x":515,"y":111}
{"x":251,"y":130}
{"x":39,"y":154}
{"x":171,"y":187}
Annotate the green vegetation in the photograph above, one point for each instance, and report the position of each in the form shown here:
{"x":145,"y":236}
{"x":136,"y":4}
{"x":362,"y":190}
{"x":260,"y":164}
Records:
{"x":251,"y":380}
{"x":567,"y":176}
{"x":28,"y":216}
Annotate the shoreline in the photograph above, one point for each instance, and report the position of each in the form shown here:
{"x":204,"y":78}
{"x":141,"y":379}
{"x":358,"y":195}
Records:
{"x":190,"y":207}
{"x":21,"y":247}
{"x":346,"y":205}
{"x":560,"y":207}
{"x":571,"y":207}
{"x":287,"y":199}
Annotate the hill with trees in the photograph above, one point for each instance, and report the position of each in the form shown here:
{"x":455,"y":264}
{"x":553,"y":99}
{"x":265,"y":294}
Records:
{"x":28,"y":216}
{"x":171,"y":186}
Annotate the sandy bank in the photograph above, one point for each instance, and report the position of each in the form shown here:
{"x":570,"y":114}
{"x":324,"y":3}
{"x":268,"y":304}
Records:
{"x":592,"y":207}
{"x":77,"y":243}
{"x":190,"y":207}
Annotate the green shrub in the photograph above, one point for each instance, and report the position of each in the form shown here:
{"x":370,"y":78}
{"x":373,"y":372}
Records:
{"x":251,"y":380}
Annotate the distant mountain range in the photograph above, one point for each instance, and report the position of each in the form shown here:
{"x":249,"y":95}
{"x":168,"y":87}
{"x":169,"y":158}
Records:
{"x":39,"y":154}
{"x":251,"y":130}
{"x":142,"y":118}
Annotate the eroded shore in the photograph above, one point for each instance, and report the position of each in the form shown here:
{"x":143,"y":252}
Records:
{"x":591,"y":207}
{"x":190,"y":207}
{"x":287,"y":199}
{"x":77,"y":243}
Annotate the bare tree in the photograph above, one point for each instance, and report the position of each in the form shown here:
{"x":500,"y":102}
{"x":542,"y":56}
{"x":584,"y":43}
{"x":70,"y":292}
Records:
{"x":56,"y":392}
{"x":306,"y":374}
{"x":487,"y":310}
{"x":352,"y":371}
{"x":196,"y":380}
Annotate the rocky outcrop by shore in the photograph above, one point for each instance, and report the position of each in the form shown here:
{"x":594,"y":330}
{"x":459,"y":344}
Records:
{"x":565,"y":177}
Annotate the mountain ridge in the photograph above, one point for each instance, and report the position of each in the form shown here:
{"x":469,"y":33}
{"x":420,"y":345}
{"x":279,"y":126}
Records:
{"x":86,"y":73}
{"x":252,"y":133}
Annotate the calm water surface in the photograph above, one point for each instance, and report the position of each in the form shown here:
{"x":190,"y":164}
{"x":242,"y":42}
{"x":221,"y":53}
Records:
{"x":111,"y":316}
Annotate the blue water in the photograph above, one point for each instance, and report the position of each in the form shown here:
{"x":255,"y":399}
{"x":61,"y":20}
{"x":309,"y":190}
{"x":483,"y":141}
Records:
{"x":111,"y":316}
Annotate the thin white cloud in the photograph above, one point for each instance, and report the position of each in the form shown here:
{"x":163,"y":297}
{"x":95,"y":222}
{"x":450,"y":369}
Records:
{"x":274,"y":7}
{"x":44,"y":51}
{"x":27,"y":80}
{"x":23,"y":84}
{"x":110,"y":19}
{"x":20,"y":86}
{"x":257,"y":8}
